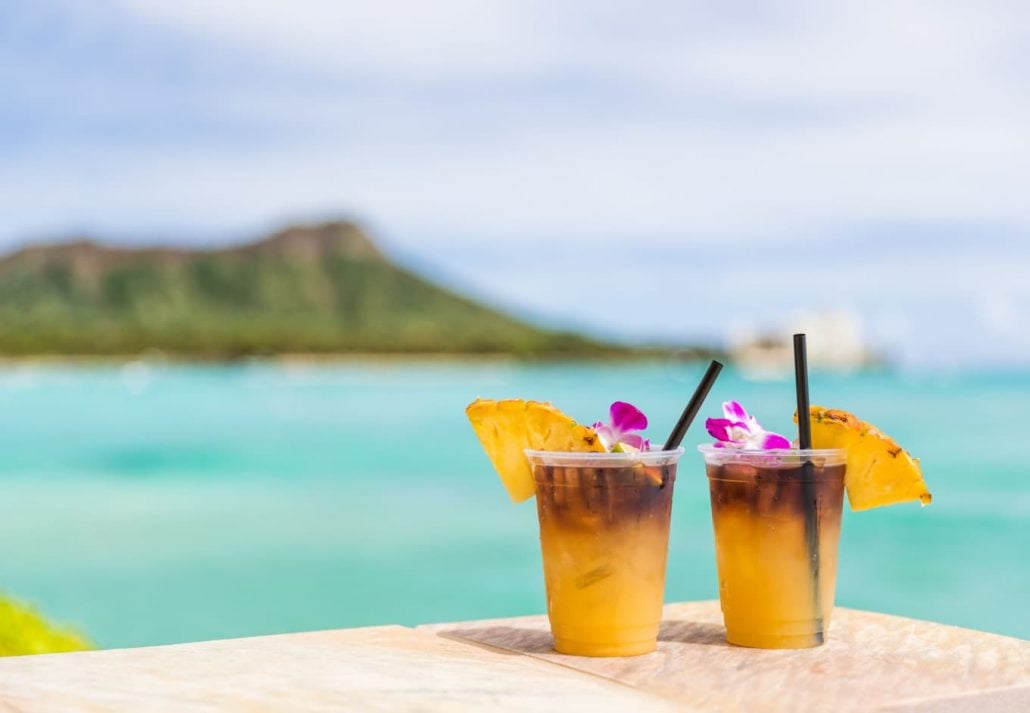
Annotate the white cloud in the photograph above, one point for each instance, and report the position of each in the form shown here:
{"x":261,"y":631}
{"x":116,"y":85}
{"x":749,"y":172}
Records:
{"x":665,"y":182}
{"x":794,"y":118}
{"x":1002,"y":316}
{"x":798,"y":47}
{"x":417,"y":40}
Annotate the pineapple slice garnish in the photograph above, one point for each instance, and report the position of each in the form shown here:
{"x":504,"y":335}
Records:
{"x":879,"y":471}
{"x":507,"y":428}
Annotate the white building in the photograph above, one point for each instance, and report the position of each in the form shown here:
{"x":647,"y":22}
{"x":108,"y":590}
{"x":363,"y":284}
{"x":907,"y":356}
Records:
{"x":836,"y":342}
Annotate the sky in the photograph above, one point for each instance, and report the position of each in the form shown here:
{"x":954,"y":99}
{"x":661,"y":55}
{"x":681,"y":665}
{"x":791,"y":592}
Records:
{"x":665,"y":171}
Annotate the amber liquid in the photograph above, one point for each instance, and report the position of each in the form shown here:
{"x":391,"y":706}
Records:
{"x":776,"y":589}
{"x":604,"y":534}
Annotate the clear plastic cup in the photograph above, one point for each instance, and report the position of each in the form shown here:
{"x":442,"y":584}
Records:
{"x":776,"y":516}
{"x":604,"y":534}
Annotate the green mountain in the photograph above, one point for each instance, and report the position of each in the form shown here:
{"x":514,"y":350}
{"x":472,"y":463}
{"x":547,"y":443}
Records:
{"x":307,"y":289}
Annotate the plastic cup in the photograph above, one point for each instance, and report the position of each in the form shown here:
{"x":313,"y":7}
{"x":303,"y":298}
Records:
{"x":604,"y":535}
{"x":776,"y":516}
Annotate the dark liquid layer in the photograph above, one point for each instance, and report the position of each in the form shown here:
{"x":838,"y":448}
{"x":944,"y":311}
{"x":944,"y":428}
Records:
{"x":612,"y":497}
{"x":776,"y":491}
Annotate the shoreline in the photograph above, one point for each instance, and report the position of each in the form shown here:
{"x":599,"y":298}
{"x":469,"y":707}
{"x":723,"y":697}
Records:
{"x":303,"y":358}
{"x":156,"y":359}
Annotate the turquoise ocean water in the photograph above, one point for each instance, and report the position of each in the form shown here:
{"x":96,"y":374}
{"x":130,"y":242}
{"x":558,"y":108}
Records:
{"x":160,"y":504}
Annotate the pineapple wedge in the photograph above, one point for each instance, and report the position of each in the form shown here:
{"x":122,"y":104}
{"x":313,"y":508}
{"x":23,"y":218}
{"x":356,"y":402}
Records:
{"x":507,"y":428}
{"x":879,"y":472}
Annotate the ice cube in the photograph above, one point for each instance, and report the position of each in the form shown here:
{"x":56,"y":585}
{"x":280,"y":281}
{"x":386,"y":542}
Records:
{"x":739,"y":471}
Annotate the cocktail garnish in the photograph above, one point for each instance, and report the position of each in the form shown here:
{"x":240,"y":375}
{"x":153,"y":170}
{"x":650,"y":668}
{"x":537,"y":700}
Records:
{"x":507,"y":428}
{"x":618,"y":434}
{"x":879,"y":472}
{"x":739,"y":429}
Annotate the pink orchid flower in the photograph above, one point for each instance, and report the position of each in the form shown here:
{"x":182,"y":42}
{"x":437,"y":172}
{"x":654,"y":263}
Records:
{"x":739,"y":429}
{"x":624,"y":418}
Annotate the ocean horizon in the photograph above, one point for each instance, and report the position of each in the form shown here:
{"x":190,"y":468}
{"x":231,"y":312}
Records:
{"x":153,"y":503}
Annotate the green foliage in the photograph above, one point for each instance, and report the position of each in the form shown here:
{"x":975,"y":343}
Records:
{"x":24,"y":631}
{"x":319,"y":289}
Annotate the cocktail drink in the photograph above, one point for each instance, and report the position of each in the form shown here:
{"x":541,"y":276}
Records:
{"x":604,"y":497}
{"x":604,"y":536}
{"x":776,"y":515}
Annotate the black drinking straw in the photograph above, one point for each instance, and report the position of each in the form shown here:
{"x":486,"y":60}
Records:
{"x":693,"y":406}
{"x":801,"y":382}
{"x":807,"y":477}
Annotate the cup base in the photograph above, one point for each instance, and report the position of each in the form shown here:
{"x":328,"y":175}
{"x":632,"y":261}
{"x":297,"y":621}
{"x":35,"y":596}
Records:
{"x":595,"y":649}
{"x":755,"y":640}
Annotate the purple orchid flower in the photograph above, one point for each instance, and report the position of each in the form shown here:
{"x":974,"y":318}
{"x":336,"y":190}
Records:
{"x":624,"y":418}
{"x":739,"y":429}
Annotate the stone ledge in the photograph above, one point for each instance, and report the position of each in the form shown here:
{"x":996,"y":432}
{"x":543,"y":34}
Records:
{"x":872,"y":661}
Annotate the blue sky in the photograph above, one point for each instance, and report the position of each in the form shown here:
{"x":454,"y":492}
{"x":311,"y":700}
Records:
{"x":659,"y":170}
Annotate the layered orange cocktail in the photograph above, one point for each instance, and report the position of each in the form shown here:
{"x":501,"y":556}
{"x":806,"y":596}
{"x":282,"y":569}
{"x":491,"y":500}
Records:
{"x":776,"y":512}
{"x":604,"y":536}
{"x":776,"y":516}
{"x":604,"y":496}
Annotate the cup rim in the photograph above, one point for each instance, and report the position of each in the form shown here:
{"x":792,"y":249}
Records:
{"x":655,"y":456}
{"x":773,"y":456}
{"x":709,"y":448}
